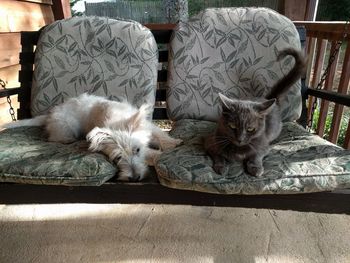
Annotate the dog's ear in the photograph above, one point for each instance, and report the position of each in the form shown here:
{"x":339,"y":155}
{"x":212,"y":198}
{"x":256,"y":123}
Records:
{"x":142,"y":114}
{"x":96,"y":136}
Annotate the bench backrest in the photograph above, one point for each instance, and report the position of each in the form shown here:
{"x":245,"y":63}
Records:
{"x":162,"y":34}
{"x":232,"y":51}
{"x":101,"y":56}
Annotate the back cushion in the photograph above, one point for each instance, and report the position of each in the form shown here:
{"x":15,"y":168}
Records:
{"x":232,"y":51}
{"x":106,"y":57}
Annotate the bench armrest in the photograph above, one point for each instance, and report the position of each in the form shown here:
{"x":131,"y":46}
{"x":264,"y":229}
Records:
{"x":9,"y":92}
{"x":336,"y":97}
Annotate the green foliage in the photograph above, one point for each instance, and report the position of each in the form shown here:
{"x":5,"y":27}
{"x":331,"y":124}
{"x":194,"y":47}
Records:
{"x":333,"y":10}
{"x":342,"y":130}
{"x":195,"y":6}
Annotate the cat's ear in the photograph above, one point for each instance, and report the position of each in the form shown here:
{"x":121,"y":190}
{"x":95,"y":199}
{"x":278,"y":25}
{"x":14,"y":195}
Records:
{"x":225,"y":101}
{"x":265,"y":108}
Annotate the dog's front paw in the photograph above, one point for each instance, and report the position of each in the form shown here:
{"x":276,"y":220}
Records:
{"x":171,"y":144}
{"x":152,"y":156}
{"x":96,"y":137}
{"x":93,"y":133}
{"x":177,"y":142}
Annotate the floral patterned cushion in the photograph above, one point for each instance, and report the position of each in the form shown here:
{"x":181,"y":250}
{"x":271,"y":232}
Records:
{"x":106,"y":57}
{"x":298,"y":162}
{"x":232,"y":51}
{"x":26,"y":157}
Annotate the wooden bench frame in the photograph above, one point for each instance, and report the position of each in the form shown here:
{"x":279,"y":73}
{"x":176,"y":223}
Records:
{"x":150,"y":191}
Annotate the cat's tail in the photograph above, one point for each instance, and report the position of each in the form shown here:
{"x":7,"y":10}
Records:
{"x":36,"y":121}
{"x":294,"y":74}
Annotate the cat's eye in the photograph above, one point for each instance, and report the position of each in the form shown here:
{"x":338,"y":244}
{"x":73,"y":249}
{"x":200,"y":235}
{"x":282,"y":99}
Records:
{"x":137,"y":150}
{"x":117,"y":159}
{"x":250,"y":129}
{"x":232,"y":125}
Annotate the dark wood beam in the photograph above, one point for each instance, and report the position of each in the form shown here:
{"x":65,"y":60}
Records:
{"x":61,"y":9}
{"x":152,"y":193}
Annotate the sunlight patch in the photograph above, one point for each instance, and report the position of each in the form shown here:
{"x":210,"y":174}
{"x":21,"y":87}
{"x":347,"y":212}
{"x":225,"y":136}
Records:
{"x":65,"y":211}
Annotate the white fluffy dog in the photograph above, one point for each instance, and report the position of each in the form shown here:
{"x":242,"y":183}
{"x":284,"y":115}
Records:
{"x":117,"y":129}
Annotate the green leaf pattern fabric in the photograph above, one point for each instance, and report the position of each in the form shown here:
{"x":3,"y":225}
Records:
{"x":27,"y":157}
{"x":112,"y":58}
{"x":298,"y":162}
{"x":232,"y":51}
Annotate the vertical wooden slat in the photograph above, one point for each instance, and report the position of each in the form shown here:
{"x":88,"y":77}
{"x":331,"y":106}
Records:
{"x":328,"y":86}
{"x":342,"y":88}
{"x":347,"y":137}
{"x":28,"y":41}
{"x":320,"y":54}
{"x":311,"y":46}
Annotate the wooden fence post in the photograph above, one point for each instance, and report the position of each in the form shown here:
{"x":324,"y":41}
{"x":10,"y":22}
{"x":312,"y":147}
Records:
{"x":298,"y":10}
{"x":61,"y":9}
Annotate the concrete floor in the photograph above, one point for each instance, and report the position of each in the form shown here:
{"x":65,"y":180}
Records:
{"x":155,"y":233}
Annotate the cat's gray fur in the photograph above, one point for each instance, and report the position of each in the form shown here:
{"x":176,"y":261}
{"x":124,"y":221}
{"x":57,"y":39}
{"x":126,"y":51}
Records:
{"x":248,"y":126}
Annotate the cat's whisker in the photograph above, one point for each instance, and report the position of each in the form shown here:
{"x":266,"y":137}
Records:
{"x":222,"y":143}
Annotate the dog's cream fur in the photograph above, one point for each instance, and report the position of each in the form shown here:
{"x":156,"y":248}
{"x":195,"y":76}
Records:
{"x":117,"y":129}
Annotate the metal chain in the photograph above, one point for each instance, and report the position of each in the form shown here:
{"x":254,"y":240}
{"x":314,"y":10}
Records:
{"x":325,"y":73}
{"x":11,"y":110}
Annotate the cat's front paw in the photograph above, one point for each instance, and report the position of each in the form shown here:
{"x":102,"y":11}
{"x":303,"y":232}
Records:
{"x":219,"y":168}
{"x":255,"y":169}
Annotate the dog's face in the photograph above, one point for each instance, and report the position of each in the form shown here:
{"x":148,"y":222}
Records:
{"x":125,"y":142}
{"x":129,"y":156}
{"x":124,"y":148}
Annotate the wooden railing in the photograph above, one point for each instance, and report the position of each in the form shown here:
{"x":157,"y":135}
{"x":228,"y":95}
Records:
{"x":322,"y":38}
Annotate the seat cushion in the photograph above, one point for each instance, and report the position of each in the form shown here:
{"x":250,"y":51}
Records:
{"x":26,"y":157}
{"x":232,"y":51}
{"x":106,"y":57}
{"x":298,"y":162}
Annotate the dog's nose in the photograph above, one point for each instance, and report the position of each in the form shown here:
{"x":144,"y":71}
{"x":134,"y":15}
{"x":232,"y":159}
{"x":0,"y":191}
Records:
{"x":134,"y":178}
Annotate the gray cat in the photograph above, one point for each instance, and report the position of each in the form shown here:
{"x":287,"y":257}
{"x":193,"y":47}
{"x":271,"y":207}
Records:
{"x":247,"y":127}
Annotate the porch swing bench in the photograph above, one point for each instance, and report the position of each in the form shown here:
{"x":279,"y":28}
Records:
{"x":182,"y":175}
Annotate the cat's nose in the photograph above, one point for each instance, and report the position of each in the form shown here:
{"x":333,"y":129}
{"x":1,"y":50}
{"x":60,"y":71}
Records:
{"x":240,"y":142}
